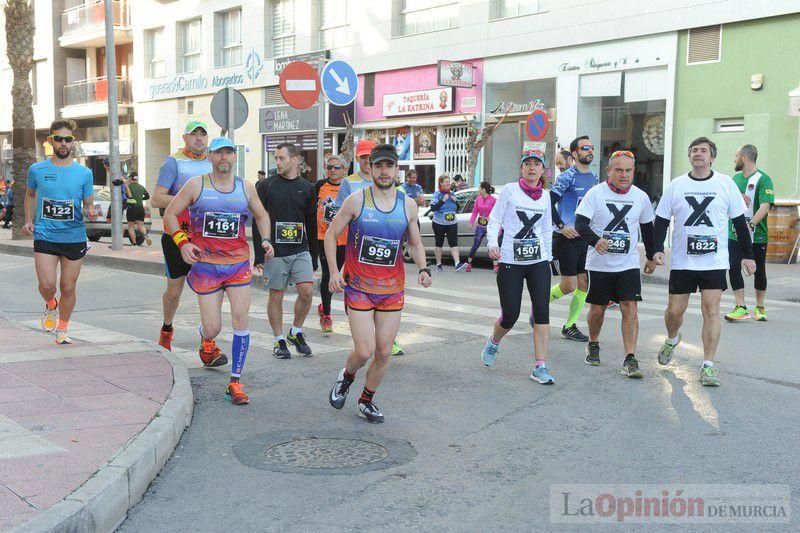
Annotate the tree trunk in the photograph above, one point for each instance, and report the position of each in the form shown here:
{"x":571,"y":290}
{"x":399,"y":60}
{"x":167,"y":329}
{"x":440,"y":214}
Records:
{"x":19,"y":49}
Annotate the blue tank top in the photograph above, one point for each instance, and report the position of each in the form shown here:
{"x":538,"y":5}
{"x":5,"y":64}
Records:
{"x":217,"y":221}
{"x":373,"y":257}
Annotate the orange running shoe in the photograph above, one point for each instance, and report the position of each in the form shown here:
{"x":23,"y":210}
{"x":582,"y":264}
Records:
{"x":165,"y":339}
{"x":235,"y":394}
{"x":211,"y":355}
{"x":326,"y":324}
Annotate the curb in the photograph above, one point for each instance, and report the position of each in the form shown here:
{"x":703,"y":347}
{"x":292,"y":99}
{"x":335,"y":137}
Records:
{"x":102,"y":502}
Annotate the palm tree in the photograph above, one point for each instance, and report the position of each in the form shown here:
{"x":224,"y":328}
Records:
{"x":19,"y":49}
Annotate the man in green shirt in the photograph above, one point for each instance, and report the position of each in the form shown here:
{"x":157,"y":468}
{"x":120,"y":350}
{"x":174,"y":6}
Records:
{"x":759,"y":195}
{"x":134,"y":212}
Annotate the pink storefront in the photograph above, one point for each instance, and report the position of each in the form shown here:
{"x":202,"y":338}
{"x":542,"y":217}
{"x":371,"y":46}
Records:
{"x":425,"y":121}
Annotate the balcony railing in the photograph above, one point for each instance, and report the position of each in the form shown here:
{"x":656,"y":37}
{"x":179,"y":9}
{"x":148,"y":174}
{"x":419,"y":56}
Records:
{"x":92,"y":17}
{"x":95,"y":91}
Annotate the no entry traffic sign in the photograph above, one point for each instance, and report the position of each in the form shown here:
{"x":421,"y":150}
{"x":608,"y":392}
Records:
{"x":536,"y":125}
{"x":299,"y":84}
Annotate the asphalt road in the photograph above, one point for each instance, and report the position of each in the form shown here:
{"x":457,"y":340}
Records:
{"x":466,"y":448}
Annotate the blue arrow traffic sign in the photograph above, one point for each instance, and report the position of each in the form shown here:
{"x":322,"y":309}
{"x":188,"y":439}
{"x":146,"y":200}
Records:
{"x":339,"y":82}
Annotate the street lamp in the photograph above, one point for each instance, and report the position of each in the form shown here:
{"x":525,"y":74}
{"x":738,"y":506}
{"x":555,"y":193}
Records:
{"x":113,"y":131}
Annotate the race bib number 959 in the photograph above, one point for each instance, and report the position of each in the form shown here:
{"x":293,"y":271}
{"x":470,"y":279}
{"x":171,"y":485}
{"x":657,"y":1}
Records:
{"x":288,"y":232}
{"x":58,"y":209}
{"x":377,"y":251}
{"x":221,"y":225}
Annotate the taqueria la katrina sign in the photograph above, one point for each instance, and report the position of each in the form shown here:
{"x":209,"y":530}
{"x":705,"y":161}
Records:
{"x":418,"y":102}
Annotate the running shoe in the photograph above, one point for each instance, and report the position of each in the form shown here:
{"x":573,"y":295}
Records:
{"x":612,"y":305}
{"x":666,"y":351}
{"x":542,"y":375}
{"x":339,"y":391}
{"x":326,"y":324}
{"x":439,"y":268}
{"x":62,"y":337}
{"x":280,"y":350}
{"x":593,"y":354}
{"x":236,"y":395}
{"x":708,"y":376}
{"x":148,"y":240}
{"x":760,"y":314}
{"x":489,"y":353}
{"x":50,"y":318}
{"x":461,"y":266}
{"x":397,"y":351}
{"x":469,"y":268}
{"x":370,"y":411}
{"x":739,"y":312}
{"x":165,"y":339}
{"x":496,"y":269}
{"x":573,"y":333}
{"x":630,"y":368}
{"x":299,"y":343}
{"x":210,"y":355}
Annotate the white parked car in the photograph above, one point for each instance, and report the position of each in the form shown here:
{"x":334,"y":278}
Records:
{"x":102,"y":226}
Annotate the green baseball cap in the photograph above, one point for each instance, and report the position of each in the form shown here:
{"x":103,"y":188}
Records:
{"x":193,"y":125}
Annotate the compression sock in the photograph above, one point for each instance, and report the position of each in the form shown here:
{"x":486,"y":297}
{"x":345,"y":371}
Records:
{"x":241,"y":343}
{"x":555,"y":292}
{"x":348,"y":377}
{"x":575,"y":307}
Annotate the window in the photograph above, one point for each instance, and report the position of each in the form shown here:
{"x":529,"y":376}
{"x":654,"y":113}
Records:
{"x":190,"y":49}
{"x":705,"y":45}
{"x":514,"y":8}
{"x":282,"y":28}
{"x":419,"y":16}
{"x":334,"y":31}
{"x":154,"y":63}
{"x":369,"y":89}
{"x":229,"y":37}
{"x":723,"y":125}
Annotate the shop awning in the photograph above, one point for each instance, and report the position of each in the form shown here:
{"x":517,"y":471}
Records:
{"x":439,"y":120}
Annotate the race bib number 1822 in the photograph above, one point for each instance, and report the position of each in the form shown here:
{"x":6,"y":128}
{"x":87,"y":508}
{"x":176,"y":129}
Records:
{"x":701,"y":244}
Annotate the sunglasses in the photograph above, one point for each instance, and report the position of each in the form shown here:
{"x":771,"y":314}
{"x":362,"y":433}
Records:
{"x":626,"y":153}
{"x":586,"y":148}
{"x":334,"y":167}
{"x":63,"y":138}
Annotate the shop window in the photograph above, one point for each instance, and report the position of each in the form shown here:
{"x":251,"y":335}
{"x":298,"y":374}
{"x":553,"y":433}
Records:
{"x":420,"y":16}
{"x":705,"y":45}
{"x":369,"y":90}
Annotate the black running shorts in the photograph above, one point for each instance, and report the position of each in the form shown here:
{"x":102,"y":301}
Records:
{"x":174,"y":263}
{"x":74,"y":251}
{"x":569,"y":255}
{"x":689,"y":281}
{"x":617,"y":287}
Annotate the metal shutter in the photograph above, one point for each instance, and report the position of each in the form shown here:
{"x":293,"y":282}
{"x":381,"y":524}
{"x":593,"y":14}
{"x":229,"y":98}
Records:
{"x":704,"y":44}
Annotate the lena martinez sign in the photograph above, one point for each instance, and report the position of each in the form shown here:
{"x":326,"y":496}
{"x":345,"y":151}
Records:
{"x":418,"y":102}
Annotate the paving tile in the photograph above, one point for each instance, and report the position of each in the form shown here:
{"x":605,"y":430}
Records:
{"x":142,"y":413}
{"x":96,"y":361}
{"x":25,"y":394}
{"x":44,"y":422}
{"x":8,"y":380}
{"x":22,"y":407}
{"x":44,"y":493}
{"x":98,"y":387}
{"x":50,"y":466}
{"x":96,"y":456}
{"x":11,"y":503}
{"x":116,"y":372}
{"x":97,"y":437}
{"x":24,"y":368}
{"x":9,"y":522}
{"x":149,"y":385}
{"x":120,"y":400}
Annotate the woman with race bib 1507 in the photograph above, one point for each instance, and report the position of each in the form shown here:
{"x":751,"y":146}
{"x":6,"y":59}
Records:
{"x":524,"y":214}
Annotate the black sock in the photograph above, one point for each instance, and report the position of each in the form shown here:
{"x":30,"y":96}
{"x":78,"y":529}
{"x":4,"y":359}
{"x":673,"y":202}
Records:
{"x":348,"y":377}
{"x":630,"y":356}
{"x":593,"y":343}
{"x":366,"y":396}
{"x":166,"y":327}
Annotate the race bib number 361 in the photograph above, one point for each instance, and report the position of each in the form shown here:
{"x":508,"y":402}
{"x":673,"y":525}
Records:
{"x":527,"y":250}
{"x":288,"y":232}
{"x":221,"y":225}
{"x":58,"y":209}
{"x":377,"y":251}
{"x":619,"y":242}
{"x":701,"y":244}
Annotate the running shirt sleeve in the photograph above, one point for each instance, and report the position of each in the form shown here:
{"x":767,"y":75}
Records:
{"x":168,"y":173}
{"x":344,"y":192}
{"x":736,"y":205}
{"x":664,"y":209}
{"x":563,"y":182}
{"x":497,"y":216}
{"x":33,"y":181}
{"x":766,"y":190}
{"x":647,"y":213}
{"x":88,"y":184}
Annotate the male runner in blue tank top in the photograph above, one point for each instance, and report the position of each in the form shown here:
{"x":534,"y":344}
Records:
{"x":569,"y":250}
{"x":59,"y":193}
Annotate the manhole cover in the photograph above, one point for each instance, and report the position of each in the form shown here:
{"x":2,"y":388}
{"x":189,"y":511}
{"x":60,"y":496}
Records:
{"x":326,"y":453}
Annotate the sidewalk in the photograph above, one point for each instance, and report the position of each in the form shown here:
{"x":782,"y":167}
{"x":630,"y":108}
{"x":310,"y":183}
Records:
{"x":84,"y":428}
{"x":784,"y":280}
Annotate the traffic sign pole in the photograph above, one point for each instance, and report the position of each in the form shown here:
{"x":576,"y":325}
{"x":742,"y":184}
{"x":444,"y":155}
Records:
{"x":231,"y":119}
{"x":321,"y":129}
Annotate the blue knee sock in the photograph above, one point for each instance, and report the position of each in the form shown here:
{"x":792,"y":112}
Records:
{"x":241,"y":343}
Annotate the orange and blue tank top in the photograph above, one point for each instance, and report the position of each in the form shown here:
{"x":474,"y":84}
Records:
{"x":217,"y":221}
{"x":373,"y":258}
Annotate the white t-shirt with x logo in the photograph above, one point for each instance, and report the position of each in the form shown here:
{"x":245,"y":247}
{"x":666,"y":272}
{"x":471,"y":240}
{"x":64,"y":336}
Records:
{"x":527,"y":226}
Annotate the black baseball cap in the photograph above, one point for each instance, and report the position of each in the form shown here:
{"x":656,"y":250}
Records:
{"x":383,"y":152}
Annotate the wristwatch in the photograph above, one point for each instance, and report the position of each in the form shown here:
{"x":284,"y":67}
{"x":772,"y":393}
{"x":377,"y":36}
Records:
{"x":752,"y":226}
{"x":560,"y":225}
